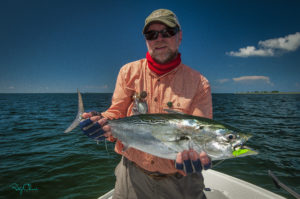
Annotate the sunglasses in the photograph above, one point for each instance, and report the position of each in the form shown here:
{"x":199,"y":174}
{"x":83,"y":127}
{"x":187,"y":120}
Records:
{"x":165,"y":33}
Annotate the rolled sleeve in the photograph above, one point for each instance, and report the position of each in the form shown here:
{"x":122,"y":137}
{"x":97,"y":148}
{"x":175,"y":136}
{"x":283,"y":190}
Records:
{"x":121,"y":98}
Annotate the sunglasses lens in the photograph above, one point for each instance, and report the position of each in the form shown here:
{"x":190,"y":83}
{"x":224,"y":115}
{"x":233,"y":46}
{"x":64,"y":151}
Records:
{"x":166,"y":33}
{"x":170,"y":32}
{"x":151,"y":35}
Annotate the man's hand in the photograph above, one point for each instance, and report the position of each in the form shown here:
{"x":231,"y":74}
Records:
{"x":95,"y":126}
{"x":190,"y":161}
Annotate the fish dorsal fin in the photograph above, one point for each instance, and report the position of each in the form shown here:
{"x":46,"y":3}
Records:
{"x":173,"y":111}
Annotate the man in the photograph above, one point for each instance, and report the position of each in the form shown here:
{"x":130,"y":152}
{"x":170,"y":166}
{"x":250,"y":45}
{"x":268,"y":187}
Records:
{"x":154,"y":84}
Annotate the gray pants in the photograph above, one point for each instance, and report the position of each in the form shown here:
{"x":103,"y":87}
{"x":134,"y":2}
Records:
{"x":133,"y":183}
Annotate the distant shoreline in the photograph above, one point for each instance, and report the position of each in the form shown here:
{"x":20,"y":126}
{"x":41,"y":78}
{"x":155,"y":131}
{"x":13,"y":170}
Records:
{"x":267,"y":93}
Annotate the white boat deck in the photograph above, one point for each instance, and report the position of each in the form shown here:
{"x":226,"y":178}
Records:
{"x":227,"y":187}
{"x":221,"y":186}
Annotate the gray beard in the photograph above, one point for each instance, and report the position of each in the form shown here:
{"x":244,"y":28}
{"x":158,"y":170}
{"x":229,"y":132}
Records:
{"x":170,"y":56}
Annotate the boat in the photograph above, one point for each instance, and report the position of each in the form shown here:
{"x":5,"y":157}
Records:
{"x":222,"y":186}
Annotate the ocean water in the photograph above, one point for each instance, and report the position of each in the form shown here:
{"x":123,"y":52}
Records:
{"x":36,"y":155}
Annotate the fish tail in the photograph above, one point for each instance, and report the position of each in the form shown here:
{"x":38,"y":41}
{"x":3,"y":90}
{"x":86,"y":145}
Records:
{"x":76,"y":122}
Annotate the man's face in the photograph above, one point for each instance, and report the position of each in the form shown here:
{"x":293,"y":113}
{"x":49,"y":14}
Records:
{"x":163,"y":50}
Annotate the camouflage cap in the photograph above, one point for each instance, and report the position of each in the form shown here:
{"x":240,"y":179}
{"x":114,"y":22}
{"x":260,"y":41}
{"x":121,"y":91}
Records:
{"x":164,"y":16}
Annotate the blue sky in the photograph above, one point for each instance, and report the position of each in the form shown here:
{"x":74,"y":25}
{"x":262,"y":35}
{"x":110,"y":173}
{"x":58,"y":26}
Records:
{"x":59,"y":46}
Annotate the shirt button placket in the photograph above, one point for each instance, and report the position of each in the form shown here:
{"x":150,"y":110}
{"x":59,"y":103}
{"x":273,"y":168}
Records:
{"x":156,"y":94}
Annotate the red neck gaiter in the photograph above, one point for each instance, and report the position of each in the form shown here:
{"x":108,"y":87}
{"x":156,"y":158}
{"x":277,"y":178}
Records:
{"x":161,"y":69}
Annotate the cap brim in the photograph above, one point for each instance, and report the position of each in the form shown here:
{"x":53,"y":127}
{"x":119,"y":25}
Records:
{"x":166,"y":22}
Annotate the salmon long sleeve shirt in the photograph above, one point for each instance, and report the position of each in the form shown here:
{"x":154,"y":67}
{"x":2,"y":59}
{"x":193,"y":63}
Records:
{"x":184,"y":88}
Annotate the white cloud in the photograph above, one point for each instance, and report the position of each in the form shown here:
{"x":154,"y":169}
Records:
{"x":288,"y":43}
{"x":221,"y":81}
{"x":270,"y":47}
{"x":252,"y":51}
{"x":253,"y":78}
{"x":11,"y":88}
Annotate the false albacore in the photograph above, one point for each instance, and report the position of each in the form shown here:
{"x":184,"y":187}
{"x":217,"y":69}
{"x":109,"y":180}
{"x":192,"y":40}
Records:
{"x":164,"y":135}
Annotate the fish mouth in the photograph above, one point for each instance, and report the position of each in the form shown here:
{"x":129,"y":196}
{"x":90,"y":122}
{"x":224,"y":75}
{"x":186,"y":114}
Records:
{"x":238,"y":146}
{"x":242,"y":150}
{"x":239,"y":149}
{"x":240,"y":143}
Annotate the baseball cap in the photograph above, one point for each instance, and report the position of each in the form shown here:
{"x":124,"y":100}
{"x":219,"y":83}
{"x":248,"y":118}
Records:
{"x":164,"y":16}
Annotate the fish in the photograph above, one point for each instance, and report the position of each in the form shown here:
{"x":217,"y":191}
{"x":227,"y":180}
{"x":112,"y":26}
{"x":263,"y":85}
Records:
{"x":166,"y":134}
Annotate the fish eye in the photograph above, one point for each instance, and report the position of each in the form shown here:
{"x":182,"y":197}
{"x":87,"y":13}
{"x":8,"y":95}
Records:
{"x":230,"y":137}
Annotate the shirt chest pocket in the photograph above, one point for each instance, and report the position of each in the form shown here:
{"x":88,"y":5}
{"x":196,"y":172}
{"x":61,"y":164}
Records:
{"x":178,"y":104}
